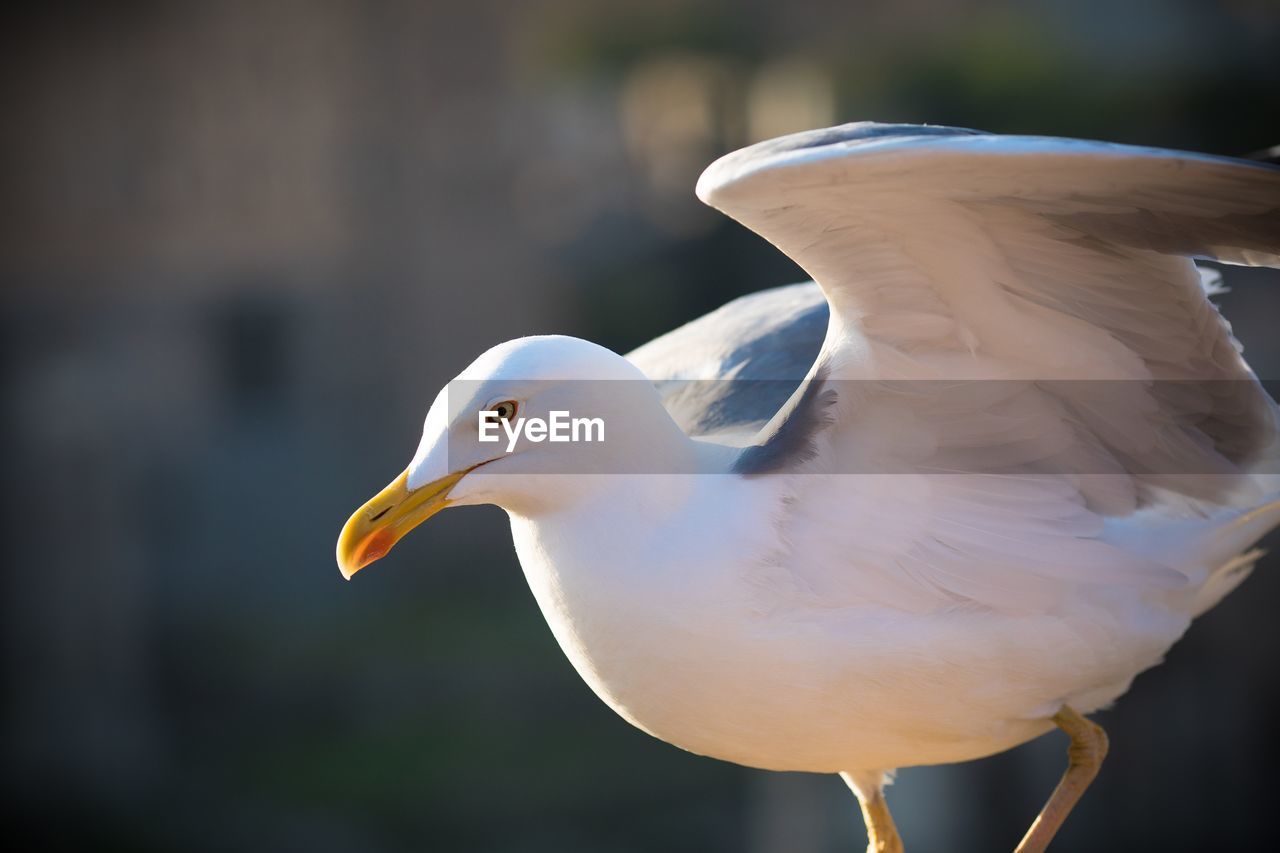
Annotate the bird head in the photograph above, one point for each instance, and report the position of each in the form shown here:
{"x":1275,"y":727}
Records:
{"x":520,"y":427}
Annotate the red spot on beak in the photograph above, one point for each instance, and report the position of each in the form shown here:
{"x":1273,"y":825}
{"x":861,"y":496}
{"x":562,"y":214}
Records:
{"x":377,"y":546}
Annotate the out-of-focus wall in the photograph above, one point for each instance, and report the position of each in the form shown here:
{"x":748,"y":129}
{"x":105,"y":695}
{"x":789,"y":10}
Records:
{"x":241,"y":247}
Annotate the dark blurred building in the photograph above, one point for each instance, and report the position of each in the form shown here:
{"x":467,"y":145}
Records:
{"x":241,"y":247}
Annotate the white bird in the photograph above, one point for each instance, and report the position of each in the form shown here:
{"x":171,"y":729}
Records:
{"x":959,"y":491}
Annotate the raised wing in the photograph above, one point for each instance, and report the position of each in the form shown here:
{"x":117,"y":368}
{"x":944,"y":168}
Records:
{"x":954,"y":255}
{"x":1021,"y":352}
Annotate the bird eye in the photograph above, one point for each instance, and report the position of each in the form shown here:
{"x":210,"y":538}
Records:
{"x":506,"y":410}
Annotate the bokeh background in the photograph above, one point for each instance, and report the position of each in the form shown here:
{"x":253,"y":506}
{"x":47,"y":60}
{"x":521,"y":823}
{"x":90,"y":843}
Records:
{"x":242,"y":244}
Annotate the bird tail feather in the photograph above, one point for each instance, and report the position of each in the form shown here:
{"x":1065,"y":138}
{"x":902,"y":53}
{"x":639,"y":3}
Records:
{"x":1224,"y":579}
{"x":1230,"y":548}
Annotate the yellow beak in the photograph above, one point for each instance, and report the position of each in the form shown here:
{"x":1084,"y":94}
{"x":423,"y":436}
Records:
{"x":378,"y":525}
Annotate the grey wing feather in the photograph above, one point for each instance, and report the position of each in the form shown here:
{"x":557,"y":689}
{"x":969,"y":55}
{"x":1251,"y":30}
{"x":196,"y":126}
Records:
{"x":729,"y":372}
{"x":1079,"y":240}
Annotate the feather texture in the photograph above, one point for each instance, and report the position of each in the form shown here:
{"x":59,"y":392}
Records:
{"x":1019,"y":308}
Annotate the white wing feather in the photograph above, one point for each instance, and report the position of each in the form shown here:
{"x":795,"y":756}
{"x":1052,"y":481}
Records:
{"x":1084,"y":374}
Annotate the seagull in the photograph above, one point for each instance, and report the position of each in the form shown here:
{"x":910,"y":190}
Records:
{"x":955,"y":492}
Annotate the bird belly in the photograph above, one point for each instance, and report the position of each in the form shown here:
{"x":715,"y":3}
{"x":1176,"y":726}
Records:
{"x":704,"y":667}
{"x":822,"y":705}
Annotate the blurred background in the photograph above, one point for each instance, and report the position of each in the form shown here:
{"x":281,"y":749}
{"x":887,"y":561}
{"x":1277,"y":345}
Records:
{"x":242,"y":244}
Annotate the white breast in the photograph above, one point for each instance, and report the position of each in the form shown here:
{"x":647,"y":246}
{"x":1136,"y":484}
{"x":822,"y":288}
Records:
{"x":699,"y":633}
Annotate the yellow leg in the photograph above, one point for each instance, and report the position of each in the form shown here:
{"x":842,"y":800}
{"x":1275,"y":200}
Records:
{"x":1084,"y":757}
{"x":882,"y":835}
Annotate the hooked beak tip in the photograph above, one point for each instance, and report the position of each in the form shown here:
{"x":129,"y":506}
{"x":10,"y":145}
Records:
{"x":375,"y":528}
{"x":374,"y":547}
